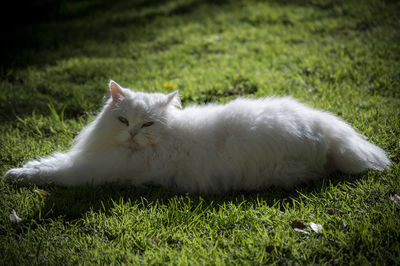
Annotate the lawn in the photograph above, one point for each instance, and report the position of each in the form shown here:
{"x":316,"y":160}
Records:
{"x":340,"y":56}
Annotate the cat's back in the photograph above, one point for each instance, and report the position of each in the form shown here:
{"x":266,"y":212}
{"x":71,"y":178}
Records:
{"x":243,"y":112}
{"x":244,"y":119}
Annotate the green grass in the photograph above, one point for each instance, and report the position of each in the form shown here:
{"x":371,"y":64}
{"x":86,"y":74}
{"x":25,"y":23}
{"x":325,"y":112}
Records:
{"x":340,"y":56}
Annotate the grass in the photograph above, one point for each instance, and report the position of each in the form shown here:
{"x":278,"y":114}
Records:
{"x":340,"y":56}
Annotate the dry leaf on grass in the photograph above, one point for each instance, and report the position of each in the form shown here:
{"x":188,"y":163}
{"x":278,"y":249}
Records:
{"x":334,"y":211}
{"x":298,"y":224}
{"x":395,"y":198}
{"x":299,"y":227}
{"x":317,"y":228}
{"x":394,"y":157}
{"x":301,"y":231}
{"x":14,"y":217}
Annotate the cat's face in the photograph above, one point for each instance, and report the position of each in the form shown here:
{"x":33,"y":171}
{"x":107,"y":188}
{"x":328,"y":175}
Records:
{"x":138,"y":119}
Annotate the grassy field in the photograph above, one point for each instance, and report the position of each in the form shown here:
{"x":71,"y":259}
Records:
{"x":340,"y":56}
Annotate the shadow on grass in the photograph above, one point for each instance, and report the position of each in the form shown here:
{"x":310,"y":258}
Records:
{"x":95,"y":37}
{"x":44,"y":27}
{"x":73,"y":203}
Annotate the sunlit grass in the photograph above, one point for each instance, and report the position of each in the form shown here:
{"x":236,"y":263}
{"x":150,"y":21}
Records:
{"x":340,"y":56}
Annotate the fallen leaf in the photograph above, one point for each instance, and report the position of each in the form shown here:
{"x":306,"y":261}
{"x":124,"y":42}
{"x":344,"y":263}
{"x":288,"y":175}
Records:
{"x":301,"y":231}
{"x":299,"y":227}
{"x":317,"y":228}
{"x":298,"y":224}
{"x":14,"y":217}
{"x":395,"y":157}
{"x":334,"y":211}
{"x":395,"y":198}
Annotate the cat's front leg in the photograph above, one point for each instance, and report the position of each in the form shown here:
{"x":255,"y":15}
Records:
{"x":42,"y":171}
{"x":73,"y":169}
{"x":28,"y":173}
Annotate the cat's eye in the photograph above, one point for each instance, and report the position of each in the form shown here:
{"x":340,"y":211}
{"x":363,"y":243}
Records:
{"x":147,"y":124}
{"x":123,"y":120}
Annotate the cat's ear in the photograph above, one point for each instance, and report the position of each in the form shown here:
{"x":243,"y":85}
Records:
{"x":116,"y":91}
{"x":174,"y":99}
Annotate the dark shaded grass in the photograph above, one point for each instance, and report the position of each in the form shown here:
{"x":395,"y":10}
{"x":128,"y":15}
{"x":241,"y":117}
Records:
{"x":342,"y":56}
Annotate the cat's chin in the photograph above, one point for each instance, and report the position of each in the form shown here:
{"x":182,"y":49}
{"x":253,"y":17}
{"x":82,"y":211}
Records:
{"x":133,"y":146}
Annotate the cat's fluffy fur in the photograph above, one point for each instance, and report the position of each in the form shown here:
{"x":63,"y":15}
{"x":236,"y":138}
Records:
{"x":146,"y":138}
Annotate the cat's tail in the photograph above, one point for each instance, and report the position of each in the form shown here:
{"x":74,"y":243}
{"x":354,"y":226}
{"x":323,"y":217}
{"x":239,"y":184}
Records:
{"x":350,"y":152}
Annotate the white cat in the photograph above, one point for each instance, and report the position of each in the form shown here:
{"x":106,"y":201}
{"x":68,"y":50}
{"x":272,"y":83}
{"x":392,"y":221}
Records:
{"x":146,"y":138}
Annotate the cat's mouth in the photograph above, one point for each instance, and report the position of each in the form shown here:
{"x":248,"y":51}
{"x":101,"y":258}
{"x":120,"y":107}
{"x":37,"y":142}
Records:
{"x":133,"y":145}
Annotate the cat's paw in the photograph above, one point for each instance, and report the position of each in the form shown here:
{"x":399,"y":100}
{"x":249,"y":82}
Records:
{"x":23,"y":175}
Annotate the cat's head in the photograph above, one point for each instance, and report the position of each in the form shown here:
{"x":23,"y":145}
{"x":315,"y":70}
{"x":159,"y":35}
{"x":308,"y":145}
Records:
{"x":138,"y":119}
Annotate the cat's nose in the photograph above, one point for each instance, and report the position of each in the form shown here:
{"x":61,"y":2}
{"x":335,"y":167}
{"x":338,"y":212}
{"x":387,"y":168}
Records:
{"x":132,"y":132}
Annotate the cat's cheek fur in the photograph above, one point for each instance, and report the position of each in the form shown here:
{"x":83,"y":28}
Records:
{"x":122,"y":137}
{"x":152,"y":139}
